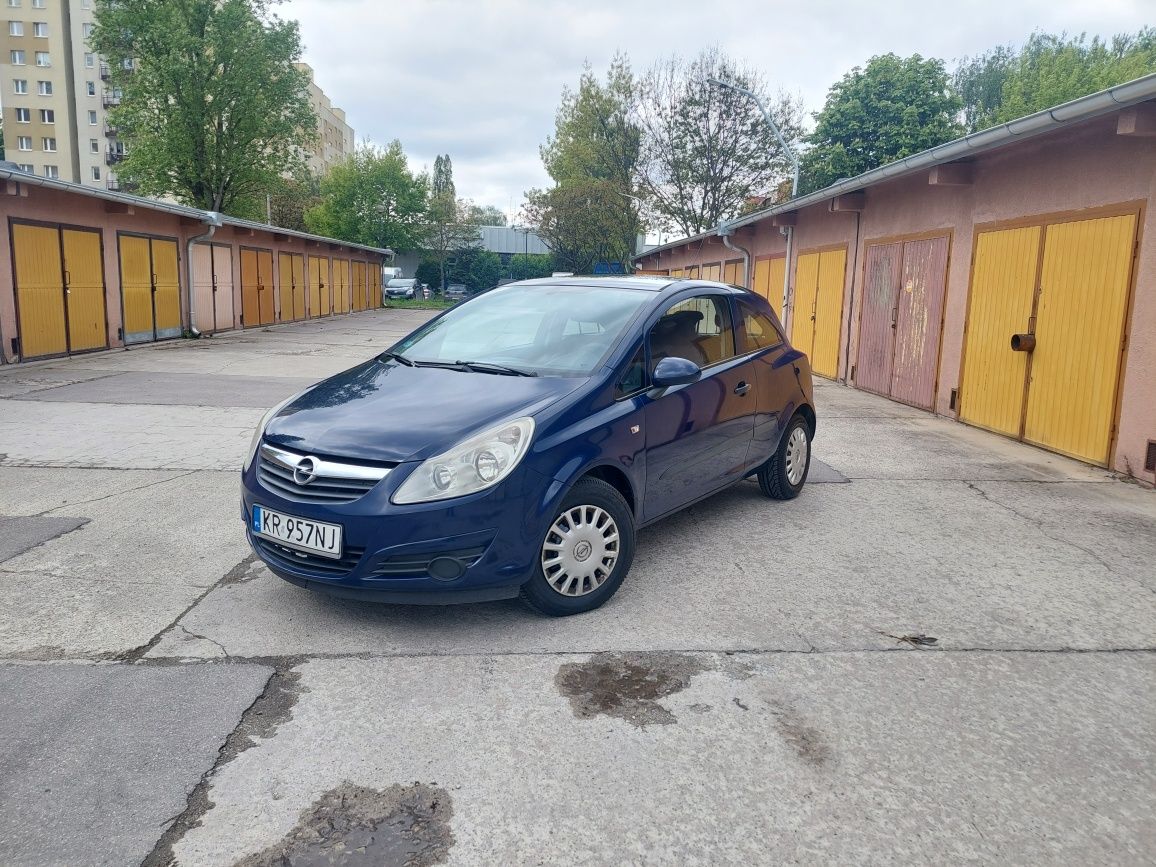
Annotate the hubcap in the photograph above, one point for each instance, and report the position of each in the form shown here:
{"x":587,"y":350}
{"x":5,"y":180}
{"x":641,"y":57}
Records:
{"x":797,"y":447}
{"x":580,"y":550}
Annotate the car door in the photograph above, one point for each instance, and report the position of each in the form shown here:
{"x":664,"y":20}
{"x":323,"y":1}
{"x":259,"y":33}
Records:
{"x":697,"y":435}
{"x":776,"y":379}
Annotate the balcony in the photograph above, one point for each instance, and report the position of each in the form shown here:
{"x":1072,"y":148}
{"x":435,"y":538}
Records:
{"x":105,"y":72}
{"x":113,"y":156}
{"x":110,"y":99}
{"x":113,"y":184}
{"x":110,"y":131}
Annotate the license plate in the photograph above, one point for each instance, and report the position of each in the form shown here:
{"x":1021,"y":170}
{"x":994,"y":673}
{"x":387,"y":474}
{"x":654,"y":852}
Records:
{"x":300,"y":533}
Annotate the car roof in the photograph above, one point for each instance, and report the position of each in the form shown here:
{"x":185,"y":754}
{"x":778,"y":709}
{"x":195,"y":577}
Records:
{"x":646,"y":283}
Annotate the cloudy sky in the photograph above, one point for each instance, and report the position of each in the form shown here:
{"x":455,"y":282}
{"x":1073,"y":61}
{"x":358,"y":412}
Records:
{"x":481,"y":79}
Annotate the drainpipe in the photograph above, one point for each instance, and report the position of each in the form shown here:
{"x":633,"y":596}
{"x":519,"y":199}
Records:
{"x":725,"y":232}
{"x":213,"y":221}
{"x":789,"y":231}
{"x":851,"y":302}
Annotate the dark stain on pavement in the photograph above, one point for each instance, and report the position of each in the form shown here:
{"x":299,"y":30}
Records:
{"x":352,"y":825}
{"x":267,"y":713}
{"x":245,"y":571}
{"x":808,"y":742}
{"x":627,"y":685}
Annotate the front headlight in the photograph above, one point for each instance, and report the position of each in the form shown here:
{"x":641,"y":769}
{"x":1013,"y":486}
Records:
{"x":474,"y":465}
{"x":261,"y":425}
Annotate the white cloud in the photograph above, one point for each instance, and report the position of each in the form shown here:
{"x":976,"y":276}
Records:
{"x":481,"y":79}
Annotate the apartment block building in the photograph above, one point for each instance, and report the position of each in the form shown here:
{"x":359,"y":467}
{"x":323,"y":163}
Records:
{"x":54,"y":94}
{"x":335,"y":140}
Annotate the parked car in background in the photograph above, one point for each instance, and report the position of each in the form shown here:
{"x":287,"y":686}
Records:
{"x":515,"y":443}
{"x":455,"y":292}
{"x":405,"y":287}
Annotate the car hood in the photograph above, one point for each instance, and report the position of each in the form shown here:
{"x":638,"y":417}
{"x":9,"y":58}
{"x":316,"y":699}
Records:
{"x":388,"y":412}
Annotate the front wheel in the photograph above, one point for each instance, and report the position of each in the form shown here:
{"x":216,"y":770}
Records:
{"x":585,"y":554}
{"x":783,"y":476}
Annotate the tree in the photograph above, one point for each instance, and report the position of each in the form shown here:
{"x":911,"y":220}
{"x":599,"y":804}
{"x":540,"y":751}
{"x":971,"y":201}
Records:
{"x":591,"y":212}
{"x":892,"y":108}
{"x":449,"y":225}
{"x":706,"y":149}
{"x":486,"y":215}
{"x":528,"y":266}
{"x":373,"y":198}
{"x":486,"y":270}
{"x":213,"y":109}
{"x":428,"y":272}
{"x":1005,"y":83}
{"x":582,"y":222}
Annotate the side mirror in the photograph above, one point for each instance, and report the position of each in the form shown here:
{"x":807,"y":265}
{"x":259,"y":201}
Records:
{"x":675,"y":371}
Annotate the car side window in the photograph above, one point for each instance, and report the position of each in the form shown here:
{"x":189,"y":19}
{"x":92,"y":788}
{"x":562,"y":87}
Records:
{"x":698,"y":329}
{"x":756,"y":329}
{"x":633,"y":375}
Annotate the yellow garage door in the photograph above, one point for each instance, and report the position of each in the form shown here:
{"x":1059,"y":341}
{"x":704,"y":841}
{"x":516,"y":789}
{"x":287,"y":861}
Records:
{"x":318,"y":286}
{"x":818,"y":308}
{"x":1003,"y":283}
{"x":167,"y":295}
{"x":136,"y":288}
{"x":734,"y":273}
{"x":257,"y":302}
{"x":374,"y":284}
{"x":358,"y":285}
{"x":84,"y":290}
{"x":265,"y":286}
{"x":340,"y":285}
{"x":769,"y":281}
{"x":1071,"y":295}
{"x":712,"y":272}
{"x":291,"y":276}
{"x":39,"y":291}
{"x":1075,"y":367}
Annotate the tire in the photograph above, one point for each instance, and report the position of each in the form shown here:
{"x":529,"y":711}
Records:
{"x":780,"y":477}
{"x":581,"y":526}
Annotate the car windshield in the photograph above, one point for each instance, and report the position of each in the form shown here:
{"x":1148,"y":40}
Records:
{"x":544,"y":330}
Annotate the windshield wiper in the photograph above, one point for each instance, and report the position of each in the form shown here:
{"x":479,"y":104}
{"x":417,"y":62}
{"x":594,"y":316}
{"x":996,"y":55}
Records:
{"x":487,"y":367}
{"x":396,"y":356}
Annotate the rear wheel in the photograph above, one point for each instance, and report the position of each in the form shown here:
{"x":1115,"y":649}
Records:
{"x":783,"y":476}
{"x":585,"y":554}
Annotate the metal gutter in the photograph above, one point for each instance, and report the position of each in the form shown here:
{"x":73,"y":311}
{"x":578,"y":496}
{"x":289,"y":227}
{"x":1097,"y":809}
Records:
{"x":206,"y":217}
{"x":1084,"y":108}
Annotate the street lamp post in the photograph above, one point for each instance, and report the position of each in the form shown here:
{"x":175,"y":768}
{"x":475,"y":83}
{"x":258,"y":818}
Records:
{"x":794,"y":174}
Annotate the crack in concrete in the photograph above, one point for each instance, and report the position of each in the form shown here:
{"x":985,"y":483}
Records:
{"x":1038,"y":523}
{"x":131,"y":490}
{"x":260,"y":720}
{"x":192,"y":634}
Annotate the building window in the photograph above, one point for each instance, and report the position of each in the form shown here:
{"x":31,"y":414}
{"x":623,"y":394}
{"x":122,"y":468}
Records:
{"x":39,"y":4}
{"x":47,"y":115}
{"x":49,"y":145}
{"x":91,"y":118}
{"x":44,"y":88}
{"x":13,"y":4}
{"x":128,"y":64}
{"x":24,"y":142}
{"x":40,"y":28}
{"x":42,"y":59}
{"x":86,"y":29}
{"x":51,"y":172}
{"x":94,"y":145}
{"x":20,"y":85}
{"x":91,"y":85}
{"x":17,"y":57}
{"x":90,"y":61}
{"x":26,"y":167}
{"x":15,"y":28}
{"x":24,"y":115}
{"x":96,"y":173}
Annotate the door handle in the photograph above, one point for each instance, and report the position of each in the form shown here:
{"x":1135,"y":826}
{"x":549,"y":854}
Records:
{"x":742,"y":388}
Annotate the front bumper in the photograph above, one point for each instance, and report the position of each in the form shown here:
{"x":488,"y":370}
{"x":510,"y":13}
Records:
{"x":475,"y":548}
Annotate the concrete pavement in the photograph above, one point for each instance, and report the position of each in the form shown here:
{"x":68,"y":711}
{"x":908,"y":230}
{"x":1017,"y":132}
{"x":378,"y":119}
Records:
{"x":746,"y":697}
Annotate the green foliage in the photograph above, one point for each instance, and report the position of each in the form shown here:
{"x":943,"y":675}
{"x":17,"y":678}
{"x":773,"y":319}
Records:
{"x":529,"y":266}
{"x":442,"y":184}
{"x":486,"y":215}
{"x":429,"y":272}
{"x":892,"y":108}
{"x":592,"y":211}
{"x":707,"y":149}
{"x":373,"y":198}
{"x":213,"y":110}
{"x":476,"y":269}
{"x":1004,"y":83}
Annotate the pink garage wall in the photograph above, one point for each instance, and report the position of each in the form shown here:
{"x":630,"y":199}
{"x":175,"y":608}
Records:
{"x":49,"y":205}
{"x":1082,"y":168}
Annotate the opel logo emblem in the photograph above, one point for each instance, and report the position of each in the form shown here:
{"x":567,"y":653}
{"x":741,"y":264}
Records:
{"x":305,"y":471}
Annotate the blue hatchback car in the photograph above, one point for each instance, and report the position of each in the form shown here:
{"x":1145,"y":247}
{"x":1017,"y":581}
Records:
{"x":515,"y":444}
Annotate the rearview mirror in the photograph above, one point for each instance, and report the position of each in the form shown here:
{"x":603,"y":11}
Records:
{"x":675,"y":371}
